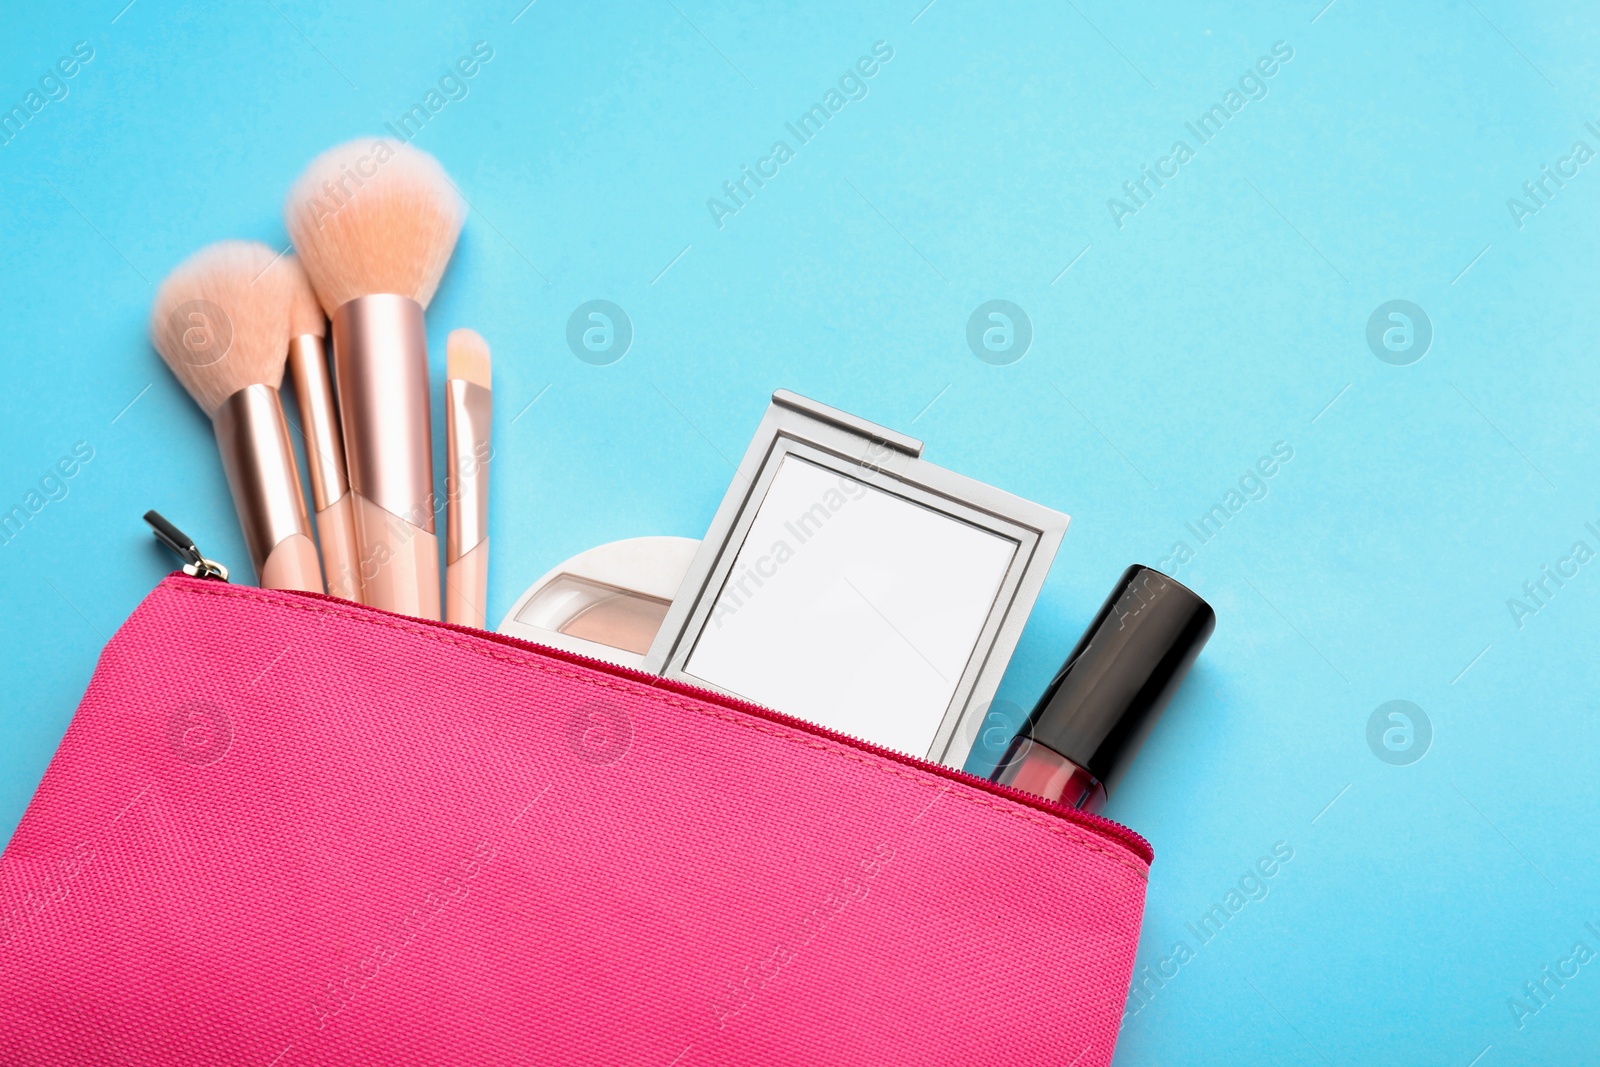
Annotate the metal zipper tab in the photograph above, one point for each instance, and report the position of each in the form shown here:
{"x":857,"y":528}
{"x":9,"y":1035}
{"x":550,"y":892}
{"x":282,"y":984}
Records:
{"x":194,"y":564}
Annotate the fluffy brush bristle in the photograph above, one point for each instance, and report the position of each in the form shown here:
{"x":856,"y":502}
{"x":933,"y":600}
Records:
{"x":467,"y":357}
{"x":221,"y":321}
{"x":374,"y":216}
{"x":305,"y":311}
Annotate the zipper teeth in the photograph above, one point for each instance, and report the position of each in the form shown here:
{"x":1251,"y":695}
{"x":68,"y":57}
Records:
{"x":1098,"y":824}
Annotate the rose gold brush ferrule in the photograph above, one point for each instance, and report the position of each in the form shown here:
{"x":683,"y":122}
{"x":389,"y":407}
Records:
{"x":330,"y":489}
{"x":468,"y":410}
{"x":380,"y":362}
{"x":308,"y":366}
{"x":253,"y":438}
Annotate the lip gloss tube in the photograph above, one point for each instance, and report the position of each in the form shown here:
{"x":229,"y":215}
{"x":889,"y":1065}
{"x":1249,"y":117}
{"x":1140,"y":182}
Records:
{"x":1097,"y":711}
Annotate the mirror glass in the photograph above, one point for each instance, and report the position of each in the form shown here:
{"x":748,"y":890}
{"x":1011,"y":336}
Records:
{"x":851,"y":607}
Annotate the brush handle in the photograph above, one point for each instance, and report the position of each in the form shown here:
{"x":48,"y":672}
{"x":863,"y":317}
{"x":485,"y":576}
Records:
{"x":292,"y":564}
{"x":253,"y":439}
{"x":330,"y":488}
{"x":319,"y":418}
{"x":341,"y":562}
{"x":399,"y":562}
{"x":466,"y":587}
{"x":380,"y":365}
{"x":468,"y":410}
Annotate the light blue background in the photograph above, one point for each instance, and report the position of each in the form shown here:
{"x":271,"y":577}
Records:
{"x":1225,"y":316}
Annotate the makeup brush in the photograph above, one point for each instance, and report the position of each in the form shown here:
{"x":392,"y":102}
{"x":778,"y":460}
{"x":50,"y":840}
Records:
{"x":375,"y":222}
{"x":469,"y":405}
{"x":221,"y":323}
{"x":330,"y":489}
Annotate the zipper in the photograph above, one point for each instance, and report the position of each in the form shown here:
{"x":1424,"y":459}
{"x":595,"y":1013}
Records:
{"x":194,"y":564}
{"x":197,"y":566}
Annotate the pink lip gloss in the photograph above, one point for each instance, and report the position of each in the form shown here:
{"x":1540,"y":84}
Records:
{"x":1091,"y":720}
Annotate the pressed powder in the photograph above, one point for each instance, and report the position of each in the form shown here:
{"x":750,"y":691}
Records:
{"x":593,"y":611}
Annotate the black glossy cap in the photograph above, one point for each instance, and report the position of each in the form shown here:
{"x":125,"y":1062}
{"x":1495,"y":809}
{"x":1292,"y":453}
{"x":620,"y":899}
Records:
{"x":1112,"y":689}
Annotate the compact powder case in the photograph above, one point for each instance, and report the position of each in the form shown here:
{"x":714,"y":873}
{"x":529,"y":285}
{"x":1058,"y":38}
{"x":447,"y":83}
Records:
{"x":606,"y":603}
{"x":844,"y":580}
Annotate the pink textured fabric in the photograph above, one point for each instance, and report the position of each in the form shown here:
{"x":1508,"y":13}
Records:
{"x":284,"y":830}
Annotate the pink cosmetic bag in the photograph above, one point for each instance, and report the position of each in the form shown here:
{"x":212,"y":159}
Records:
{"x":286,"y":830}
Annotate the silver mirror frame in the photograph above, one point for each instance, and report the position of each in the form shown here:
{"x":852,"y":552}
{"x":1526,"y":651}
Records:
{"x":891,"y":462}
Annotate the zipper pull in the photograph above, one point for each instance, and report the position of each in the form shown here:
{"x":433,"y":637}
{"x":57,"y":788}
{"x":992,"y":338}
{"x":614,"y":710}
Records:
{"x":194,"y":564}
